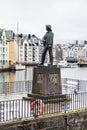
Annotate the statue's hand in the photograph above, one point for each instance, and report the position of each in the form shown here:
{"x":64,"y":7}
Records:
{"x":43,"y":42}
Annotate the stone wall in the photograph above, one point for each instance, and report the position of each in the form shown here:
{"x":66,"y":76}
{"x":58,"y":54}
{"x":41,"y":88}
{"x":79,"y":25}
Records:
{"x":71,"y":121}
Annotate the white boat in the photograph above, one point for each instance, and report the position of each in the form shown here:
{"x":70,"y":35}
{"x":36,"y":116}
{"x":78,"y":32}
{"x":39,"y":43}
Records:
{"x":63,"y":63}
{"x":19,"y":67}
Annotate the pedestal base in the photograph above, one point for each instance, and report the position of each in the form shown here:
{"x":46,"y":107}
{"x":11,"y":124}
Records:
{"x":46,"y":80}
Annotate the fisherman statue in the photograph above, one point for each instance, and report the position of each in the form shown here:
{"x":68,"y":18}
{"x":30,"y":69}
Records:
{"x":48,"y":45}
{"x":47,"y":79}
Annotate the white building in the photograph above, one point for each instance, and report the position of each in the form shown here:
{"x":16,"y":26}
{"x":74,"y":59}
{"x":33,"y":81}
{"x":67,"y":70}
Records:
{"x":72,"y":51}
{"x":36,"y":54}
{"x":28,"y":49}
{"x":4,"y":49}
{"x":15,"y":51}
{"x":84,"y":52}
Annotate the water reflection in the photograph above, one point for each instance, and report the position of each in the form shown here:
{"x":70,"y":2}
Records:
{"x":12,"y":76}
{"x":9,"y":81}
{"x":17,"y":87}
{"x":27,"y":74}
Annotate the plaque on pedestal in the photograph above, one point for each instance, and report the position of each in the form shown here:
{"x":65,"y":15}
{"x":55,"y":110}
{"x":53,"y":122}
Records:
{"x":46,"y":80}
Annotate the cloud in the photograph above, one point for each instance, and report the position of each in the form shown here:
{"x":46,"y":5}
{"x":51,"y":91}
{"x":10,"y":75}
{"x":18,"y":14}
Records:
{"x":67,"y":17}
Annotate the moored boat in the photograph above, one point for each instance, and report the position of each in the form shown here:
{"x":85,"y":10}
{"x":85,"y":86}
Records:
{"x":82,"y":63}
{"x":18,"y":67}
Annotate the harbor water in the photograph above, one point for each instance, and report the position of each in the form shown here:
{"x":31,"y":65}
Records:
{"x":17,"y":90}
{"x":79,"y":73}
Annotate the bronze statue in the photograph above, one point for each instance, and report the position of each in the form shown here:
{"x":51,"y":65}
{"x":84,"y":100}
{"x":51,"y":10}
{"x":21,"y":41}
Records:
{"x":48,"y":44}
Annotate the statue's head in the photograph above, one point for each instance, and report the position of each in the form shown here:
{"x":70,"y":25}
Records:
{"x":48,"y":28}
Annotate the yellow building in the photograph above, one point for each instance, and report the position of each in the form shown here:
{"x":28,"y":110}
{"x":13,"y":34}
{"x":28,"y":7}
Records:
{"x":11,"y":61}
{"x":11,"y":52}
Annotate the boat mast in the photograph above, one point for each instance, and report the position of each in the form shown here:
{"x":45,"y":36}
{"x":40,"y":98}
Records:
{"x":18,"y":40}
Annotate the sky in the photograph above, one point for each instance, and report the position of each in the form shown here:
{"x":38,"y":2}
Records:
{"x":68,"y":18}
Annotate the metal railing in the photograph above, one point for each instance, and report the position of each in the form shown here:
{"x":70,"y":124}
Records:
{"x":15,"y":87}
{"x":74,"y":85}
{"x":26,"y":86}
{"x":38,"y":106}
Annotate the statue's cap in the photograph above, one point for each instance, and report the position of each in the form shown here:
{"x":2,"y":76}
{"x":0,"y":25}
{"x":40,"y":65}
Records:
{"x":49,"y":26}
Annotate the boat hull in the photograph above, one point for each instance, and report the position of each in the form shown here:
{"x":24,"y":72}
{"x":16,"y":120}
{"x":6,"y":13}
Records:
{"x":19,"y":67}
{"x":82,"y":64}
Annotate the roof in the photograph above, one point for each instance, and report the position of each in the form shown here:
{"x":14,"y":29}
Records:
{"x":0,"y":33}
{"x":9,"y":34}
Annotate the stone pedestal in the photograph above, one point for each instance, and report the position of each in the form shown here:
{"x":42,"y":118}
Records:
{"x":46,"y":80}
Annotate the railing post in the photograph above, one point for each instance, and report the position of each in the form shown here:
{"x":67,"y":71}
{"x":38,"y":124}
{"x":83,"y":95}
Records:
{"x":28,"y":86}
{"x":5,"y":86}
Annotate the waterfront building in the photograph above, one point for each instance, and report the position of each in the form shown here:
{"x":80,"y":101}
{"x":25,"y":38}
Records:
{"x":30,"y":53}
{"x":6,"y":47}
{"x":11,"y":52}
{"x":84,"y":52}
{"x":72,"y":52}
{"x":64,"y":51}
{"x":33,"y":49}
{"x":15,"y":51}
{"x":41,"y":47}
{"x":10,"y":40}
{"x":80,"y":52}
{"x":23,"y":48}
{"x":28,"y":49}
{"x":36,"y":53}
{"x":58,"y":52}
